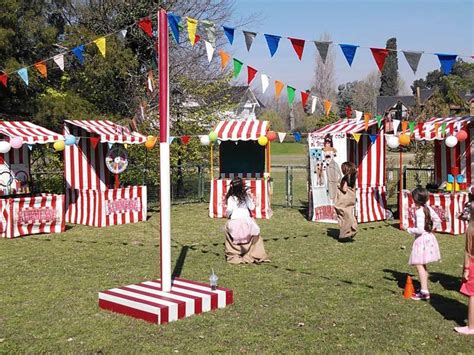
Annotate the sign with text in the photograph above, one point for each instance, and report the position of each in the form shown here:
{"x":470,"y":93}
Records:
{"x":32,"y":215}
{"x":123,"y":205}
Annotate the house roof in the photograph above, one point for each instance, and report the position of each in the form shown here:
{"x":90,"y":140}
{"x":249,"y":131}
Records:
{"x":385,"y":103}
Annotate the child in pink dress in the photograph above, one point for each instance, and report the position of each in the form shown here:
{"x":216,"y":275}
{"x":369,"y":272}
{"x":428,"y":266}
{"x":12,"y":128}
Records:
{"x":425,"y":248}
{"x":467,"y":287}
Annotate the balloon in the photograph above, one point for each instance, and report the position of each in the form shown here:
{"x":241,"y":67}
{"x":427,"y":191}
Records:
{"x":16,"y":142}
{"x":212,"y":136}
{"x":205,"y":140}
{"x":5,"y":147}
{"x":393,"y":142}
{"x":271,"y":136}
{"x":404,"y":139}
{"x":461,"y":135}
{"x":59,"y":146}
{"x":262,"y":140}
{"x":70,"y":140}
{"x":451,"y":141}
{"x":150,"y":142}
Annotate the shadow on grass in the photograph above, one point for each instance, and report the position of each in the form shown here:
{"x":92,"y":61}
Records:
{"x":448,"y":282}
{"x":449,"y":308}
{"x":178,"y":268}
{"x":400,"y":278}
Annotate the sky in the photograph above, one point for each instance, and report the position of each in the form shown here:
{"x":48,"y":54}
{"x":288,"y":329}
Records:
{"x":426,"y":25}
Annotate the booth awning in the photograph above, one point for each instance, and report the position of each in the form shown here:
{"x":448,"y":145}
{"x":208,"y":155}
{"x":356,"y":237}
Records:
{"x":345,"y":126}
{"x":243,"y":130}
{"x":29,"y":132}
{"x":433,"y":128}
{"x":109,"y":132}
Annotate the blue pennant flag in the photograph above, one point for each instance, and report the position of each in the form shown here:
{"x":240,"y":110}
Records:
{"x":349,"y":51}
{"x":447,"y":61}
{"x":297,"y":136}
{"x":173,"y":22}
{"x":79,"y":53}
{"x":229,"y":32}
{"x":23,"y":73}
{"x":272,"y":42}
{"x":373,"y":138}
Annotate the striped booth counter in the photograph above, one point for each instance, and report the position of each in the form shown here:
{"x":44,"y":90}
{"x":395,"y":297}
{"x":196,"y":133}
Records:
{"x":446,"y":205}
{"x":259,"y":188}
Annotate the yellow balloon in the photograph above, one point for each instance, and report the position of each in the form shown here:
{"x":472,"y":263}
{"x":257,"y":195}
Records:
{"x":59,"y":146}
{"x":404,"y":139}
{"x":150,"y":142}
{"x":262,"y":140}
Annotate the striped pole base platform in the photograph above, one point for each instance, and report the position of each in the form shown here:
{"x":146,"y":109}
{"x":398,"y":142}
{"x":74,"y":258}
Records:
{"x":146,"y":300}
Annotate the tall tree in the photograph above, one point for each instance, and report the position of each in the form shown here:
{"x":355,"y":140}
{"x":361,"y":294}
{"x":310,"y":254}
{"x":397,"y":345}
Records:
{"x":389,"y":79}
{"x":345,"y":96}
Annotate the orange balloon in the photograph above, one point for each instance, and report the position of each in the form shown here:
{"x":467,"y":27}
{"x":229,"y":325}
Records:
{"x":404,"y":139}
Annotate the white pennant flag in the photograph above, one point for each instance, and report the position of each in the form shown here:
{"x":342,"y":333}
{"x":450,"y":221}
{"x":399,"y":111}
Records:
{"x":170,"y":139}
{"x":395,"y":124}
{"x":59,"y":60}
{"x":122,"y":34}
{"x":265,"y":82}
{"x":313,"y":104}
{"x":358,"y":115}
{"x":110,"y":145}
{"x":209,"y":50}
{"x":281,"y":136}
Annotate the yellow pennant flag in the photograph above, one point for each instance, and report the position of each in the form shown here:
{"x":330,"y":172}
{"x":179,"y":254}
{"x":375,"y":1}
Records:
{"x":278,"y":88}
{"x":327,"y":107}
{"x":41,"y":67}
{"x":100,"y":43}
{"x":224,"y":58}
{"x":192,"y":27}
{"x":356,"y":136}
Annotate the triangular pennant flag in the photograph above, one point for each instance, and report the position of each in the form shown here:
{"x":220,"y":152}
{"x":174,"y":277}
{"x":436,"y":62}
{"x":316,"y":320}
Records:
{"x":110,"y":145}
{"x":265,"y":82}
{"x":413,"y":58}
{"x":150,"y":82}
{"x":125,"y":146}
{"x":366,"y":121}
{"x":420,"y":127}
{"x":43,"y":70}
{"x":197,"y":38}
{"x":395,"y":124}
{"x":323,"y":48}
{"x":59,"y":60}
{"x":237,"y":67}
{"x":349,"y":51}
{"x":356,"y":136}
{"x":170,"y":139}
{"x":209,"y":50}
{"x":210,"y":29}
{"x":192,"y":27}
{"x":251,"y":72}
{"x":185,"y":139}
{"x":327,"y":107}
{"x":290,"y":91}
{"x":380,"y":54}
{"x":146,"y":25}
{"x":4,"y":79}
{"x":249,"y":37}
{"x":122,"y":34}
{"x":443,"y":128}
{"x":358,"y":115}
{"x":379,"y":120}
{"x":297,"y":136}
{"x":101,"y":44}
{"x":447,"y":62}
{"x":304,"y":98}
{"x":79,"y":53}
{"x":229,"y":33}
{"x":348,"y":111}
{"x":272,"y":41}
{"x":313,"y":104}
{"x":404,"y":126}
{"x":30,"y":146}
{"x":281,"y":136}
{"x":412,"y":126}
{"x":373,"y":138}
{"x":224,"y":58}
{"x":173,"y":23}
{"x":436,"y":129}
{"x":94,"y":141}
{"x":278,"y":88}
{"x":23,"y":73}
{"x":298,"y":46}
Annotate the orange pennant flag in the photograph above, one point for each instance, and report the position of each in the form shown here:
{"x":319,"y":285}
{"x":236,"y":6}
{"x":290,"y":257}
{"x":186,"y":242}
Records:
{"x":327,"y":107}
{"x":278,"y":88}
{"x":404,"y":126}
{"x":436,"y":128}
{"x":225,"y":57}
{"x":366,"y":120}
{"x":41,"y":67}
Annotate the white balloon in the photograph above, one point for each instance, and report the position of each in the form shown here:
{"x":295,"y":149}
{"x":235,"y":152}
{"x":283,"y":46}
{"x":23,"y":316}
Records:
{"x":5,"y":147}
{"x":393,"y":142}
{"x":451,"y":141}
{"x":205,"y":140}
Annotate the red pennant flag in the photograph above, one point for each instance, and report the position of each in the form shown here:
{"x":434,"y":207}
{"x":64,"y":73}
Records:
{"x":185,"y":139}
{"x":304,"y":98}
{"x":420,"y":128}
{"x":348,"y":112}
{"x":379,"y":55}
{"x":196,"y":39}
{"x":146,"y":25}
{"x":4,"y":79}
{"x":298,"y":46}
{"x":94,"y":141}
{"x":251,"y":72}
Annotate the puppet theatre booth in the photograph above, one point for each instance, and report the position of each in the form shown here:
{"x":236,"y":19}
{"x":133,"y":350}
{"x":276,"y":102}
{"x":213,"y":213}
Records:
{"x":21,"y":211}
{"x":453,"y":171}
{"x":94,"y":157}
{"x":244,"y":151}
{"x":347,"y":140}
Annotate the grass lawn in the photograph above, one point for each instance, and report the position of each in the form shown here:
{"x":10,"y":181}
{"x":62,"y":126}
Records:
{"x":317,"y":295}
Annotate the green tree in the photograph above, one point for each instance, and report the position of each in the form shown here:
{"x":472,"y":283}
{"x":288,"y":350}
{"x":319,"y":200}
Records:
{"x":389,"y":78}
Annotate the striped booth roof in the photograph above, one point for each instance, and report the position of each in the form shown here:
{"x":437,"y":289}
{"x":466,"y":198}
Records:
{"x":345,"y":126}
{"x":433,"y":128}
{"x":109,"y":132}
{"x":241,"y":130}
{"x":29,"y":132}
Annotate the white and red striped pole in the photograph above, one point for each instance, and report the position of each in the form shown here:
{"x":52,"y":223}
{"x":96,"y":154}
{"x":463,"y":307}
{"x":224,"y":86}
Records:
{"x":165,"y":188}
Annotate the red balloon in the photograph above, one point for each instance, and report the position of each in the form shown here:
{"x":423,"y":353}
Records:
{"x":271,"y":136}
{"x":461,"y":135}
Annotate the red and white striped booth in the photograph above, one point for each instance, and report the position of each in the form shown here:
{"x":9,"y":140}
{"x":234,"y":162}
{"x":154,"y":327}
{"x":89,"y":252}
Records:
{"x":461,"y":156}
{"x":368,"y":154}
{"x":244,"y":135}
{"x":22,"y":213}
{"x":91,"y":198}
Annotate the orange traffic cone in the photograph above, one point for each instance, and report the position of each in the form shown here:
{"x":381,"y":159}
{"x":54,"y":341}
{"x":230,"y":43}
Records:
{"x":409,"y":289}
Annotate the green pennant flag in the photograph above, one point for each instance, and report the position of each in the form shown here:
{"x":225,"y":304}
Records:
{"x":291,"y":94}
{"x":443,"y":128}
{"x":237,"y":67}
{"x":412,"y":126}
{"x":379,"y":120}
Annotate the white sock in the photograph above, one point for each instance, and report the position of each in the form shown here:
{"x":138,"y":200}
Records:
{"x":425,"y":292}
